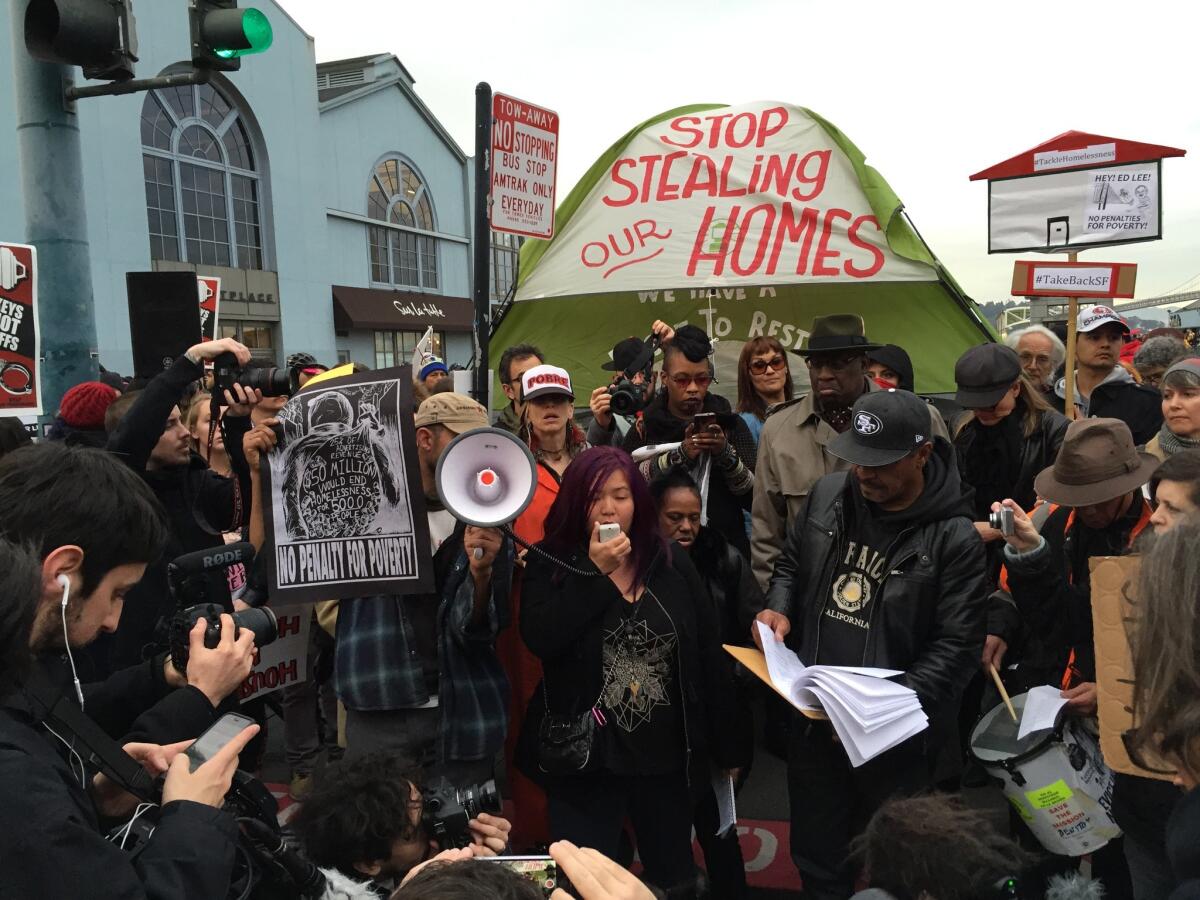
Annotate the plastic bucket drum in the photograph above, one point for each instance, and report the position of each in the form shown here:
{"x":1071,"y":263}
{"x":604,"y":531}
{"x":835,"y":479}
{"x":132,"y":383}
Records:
{"x":1055,"y":779}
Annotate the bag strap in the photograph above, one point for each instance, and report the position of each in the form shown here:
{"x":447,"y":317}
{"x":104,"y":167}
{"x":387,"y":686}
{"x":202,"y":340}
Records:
{"x":54,"y":707}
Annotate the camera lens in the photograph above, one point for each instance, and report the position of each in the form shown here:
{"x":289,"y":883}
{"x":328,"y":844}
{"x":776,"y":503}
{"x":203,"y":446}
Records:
{"x":261,"y":622}
{"x":480,"y":798}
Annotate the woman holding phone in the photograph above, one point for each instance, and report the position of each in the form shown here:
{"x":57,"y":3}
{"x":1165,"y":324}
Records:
{"x":632,"y":704}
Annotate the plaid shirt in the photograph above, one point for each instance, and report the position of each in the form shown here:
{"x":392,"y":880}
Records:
{"x":377,"y":666}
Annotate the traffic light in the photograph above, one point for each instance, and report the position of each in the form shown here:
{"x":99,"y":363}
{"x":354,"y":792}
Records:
{"x":222,"y":34}
{"x":98,"y":35}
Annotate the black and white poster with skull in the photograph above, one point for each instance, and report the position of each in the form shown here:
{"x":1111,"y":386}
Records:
{"x":346,"y":512}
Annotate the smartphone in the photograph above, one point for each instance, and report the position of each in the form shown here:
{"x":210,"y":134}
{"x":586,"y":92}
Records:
{"x":541,"y":870}
{"x":701,"y":421}
{"x":220,"y":733}
{"x":608,"y":531}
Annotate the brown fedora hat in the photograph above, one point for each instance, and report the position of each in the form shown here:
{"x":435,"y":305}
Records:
{"x":838,"y":333}
{"x":1098,"y":462}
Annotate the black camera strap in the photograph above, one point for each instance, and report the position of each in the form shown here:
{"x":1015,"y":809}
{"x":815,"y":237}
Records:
{"x":55,"y":707}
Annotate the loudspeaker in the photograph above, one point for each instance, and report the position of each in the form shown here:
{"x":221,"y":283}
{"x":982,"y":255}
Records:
{"x":164,"y":318}
{"x":486,"y":477}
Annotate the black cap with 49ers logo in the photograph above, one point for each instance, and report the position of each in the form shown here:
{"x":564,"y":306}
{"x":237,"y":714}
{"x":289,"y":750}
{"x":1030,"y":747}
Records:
{"x":885,"y":427}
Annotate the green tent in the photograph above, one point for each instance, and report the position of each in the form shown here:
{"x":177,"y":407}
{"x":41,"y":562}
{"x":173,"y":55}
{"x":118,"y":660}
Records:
{"x":744,"y":220}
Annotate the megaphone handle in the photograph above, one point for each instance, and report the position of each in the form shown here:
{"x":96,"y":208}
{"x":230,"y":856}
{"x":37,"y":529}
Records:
{"x":542,"y":553}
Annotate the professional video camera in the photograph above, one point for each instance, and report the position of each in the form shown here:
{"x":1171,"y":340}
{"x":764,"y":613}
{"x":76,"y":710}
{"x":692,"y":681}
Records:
{"x":271,"y":381}
{"x":190,"y":579}
{"x":448,"y":809}
{"x":629,"y":398}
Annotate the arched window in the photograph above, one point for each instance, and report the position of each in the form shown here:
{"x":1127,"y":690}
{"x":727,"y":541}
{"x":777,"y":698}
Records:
{"x":397,"y":195}
{"x":203,"y":187}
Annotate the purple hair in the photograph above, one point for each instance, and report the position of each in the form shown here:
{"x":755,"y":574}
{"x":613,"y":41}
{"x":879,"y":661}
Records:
{"x":567,"y":525}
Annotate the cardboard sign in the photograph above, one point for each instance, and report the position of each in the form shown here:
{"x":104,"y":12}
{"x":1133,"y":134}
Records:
{"x":210,"y":299}
{"x":524,"y":167}
{"x":1113,"y":578}
{"x":346,"y":515}
{"x":1074,"y":279}
{"x":284,"y":662}
{"x":20,"y":338}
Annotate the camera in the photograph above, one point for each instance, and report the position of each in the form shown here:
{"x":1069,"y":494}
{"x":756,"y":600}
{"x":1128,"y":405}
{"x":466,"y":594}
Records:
{"x":1002,"y":521}
{"x":261,"y":622}
{"x":448,"y":809}
{"x":271,"y":381}
{"x":629,"y":398}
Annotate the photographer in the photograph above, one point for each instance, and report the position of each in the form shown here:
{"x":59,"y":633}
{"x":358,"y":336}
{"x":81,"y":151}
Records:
{"x":53,"y":801}
{"x":367,"y":819}
{"x":624,"y":366}
{"x":154,"y":442}
{"x":724,"y":441}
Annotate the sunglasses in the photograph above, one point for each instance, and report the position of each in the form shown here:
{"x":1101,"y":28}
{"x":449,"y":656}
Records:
{"x":682,"y":381}
{"x":775,"y":363}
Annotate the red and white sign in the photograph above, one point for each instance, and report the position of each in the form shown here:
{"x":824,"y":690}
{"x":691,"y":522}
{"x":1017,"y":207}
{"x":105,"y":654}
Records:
{"x":524,"y":167}
{"x":1114,"y":281}
{"x":284,"y":662}
{"x":20,"y":339}
{"x":210,"y":299}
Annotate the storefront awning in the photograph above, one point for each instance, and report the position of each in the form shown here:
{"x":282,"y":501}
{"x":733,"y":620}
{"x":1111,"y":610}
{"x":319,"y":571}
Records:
{"x":399,"y":310}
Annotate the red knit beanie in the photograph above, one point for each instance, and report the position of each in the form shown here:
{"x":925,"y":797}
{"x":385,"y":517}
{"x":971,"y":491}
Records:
{"x":84,"y":405}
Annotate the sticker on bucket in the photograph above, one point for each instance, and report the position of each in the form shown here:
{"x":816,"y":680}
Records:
{"x":1055,"y":779}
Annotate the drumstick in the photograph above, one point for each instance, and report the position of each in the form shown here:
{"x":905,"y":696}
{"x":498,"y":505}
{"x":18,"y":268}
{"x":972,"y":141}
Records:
{"x":1003,"y":693}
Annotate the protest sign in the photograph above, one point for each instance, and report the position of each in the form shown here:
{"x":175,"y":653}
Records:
{"x":210,"y":297}
{"x":285,"y":661}
{"x":20,"y":339}
{"x":1112,"y":581}
{"x":747,"y":221}
{"x":346,"y":514}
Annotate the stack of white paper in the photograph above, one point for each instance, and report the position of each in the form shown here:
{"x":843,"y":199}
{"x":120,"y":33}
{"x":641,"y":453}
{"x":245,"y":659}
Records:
{"x":869,"y":713}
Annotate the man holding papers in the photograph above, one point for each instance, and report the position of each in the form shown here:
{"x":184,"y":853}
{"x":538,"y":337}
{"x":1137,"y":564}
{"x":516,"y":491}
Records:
{"x":882,"y":568}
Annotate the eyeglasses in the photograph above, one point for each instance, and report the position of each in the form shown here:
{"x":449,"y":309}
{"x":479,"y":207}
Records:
{"x":1134,"y":750}
{"x":775,"y":363}
{"x":1040,"y":358}
{"x":682,"y":381}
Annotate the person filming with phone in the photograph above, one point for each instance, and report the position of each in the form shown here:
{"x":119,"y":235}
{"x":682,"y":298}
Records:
{"x":714,"y":444}
{"x":63,"y":586}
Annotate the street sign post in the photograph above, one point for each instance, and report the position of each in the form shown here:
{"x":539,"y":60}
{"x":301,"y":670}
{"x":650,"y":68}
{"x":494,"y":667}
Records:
{"x":20,"y":346}
{"x":524,"y":167}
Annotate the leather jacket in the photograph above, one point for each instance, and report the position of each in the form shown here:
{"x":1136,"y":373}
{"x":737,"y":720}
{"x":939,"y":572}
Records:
{"x":928,"y":617}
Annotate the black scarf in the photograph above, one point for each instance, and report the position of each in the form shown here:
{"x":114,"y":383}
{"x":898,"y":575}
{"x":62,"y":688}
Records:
{"x":990,"y":460}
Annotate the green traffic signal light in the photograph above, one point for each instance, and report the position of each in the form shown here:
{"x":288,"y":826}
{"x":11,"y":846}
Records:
{"x":222,"y":34}
{"x":256,"y":36}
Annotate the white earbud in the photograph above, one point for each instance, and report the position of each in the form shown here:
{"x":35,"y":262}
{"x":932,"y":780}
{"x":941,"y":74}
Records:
{"x":65,"y":583}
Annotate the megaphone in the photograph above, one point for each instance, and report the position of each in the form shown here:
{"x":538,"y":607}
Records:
{"x":486,"y":477}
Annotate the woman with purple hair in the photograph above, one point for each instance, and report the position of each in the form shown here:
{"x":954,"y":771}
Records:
{"x":632,"y":672}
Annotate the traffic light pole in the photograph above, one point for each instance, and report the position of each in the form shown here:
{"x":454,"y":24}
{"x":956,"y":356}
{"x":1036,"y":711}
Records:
{"x":134,"y":86}
{"x":51,"y":166}
{"x":483,"y":239}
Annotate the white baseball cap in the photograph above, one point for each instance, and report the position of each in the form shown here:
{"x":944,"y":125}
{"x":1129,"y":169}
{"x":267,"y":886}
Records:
{"x":1092,"y":317}
{"x":542,"y":380}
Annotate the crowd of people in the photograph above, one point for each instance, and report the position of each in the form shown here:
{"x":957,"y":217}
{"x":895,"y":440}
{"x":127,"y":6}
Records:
{"x":576,"y":655}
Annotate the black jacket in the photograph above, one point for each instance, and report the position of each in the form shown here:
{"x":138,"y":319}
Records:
{"x":1183,"y":846}
{"x":928,"y":618}
{"x":1138,"y":406}
{"x":199,"y":503}
{"x":734,"y":592}
{"x":562,"y":616}
{"x":1051,"y":587}
{"x":725,"y":510}
{"x":53,"y":846}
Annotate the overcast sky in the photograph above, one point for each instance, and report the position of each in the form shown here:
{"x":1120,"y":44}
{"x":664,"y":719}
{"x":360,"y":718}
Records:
{"x":931,"y":92}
